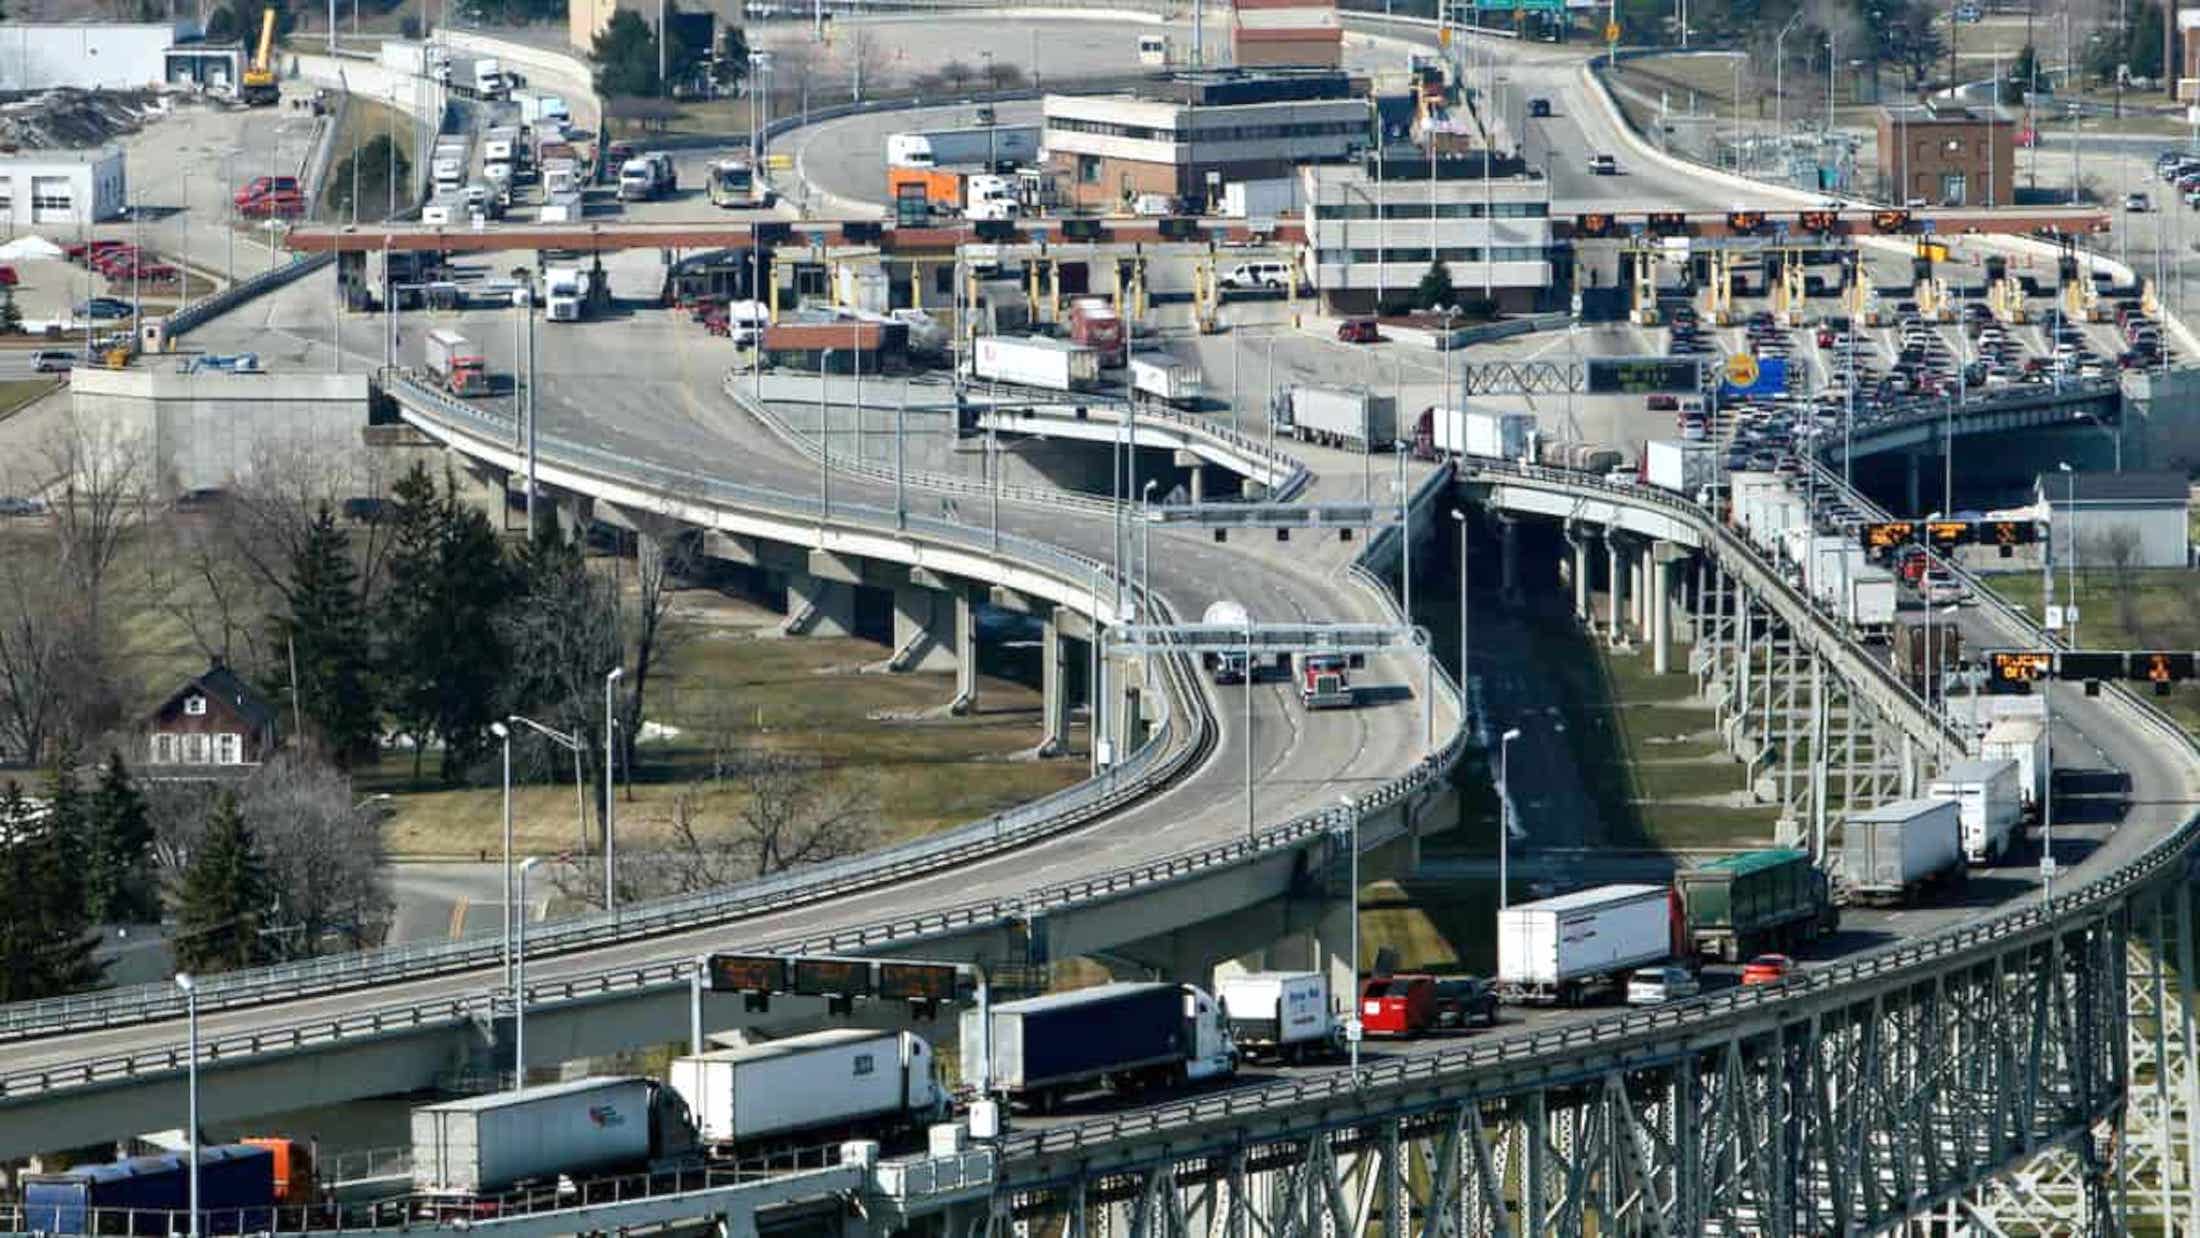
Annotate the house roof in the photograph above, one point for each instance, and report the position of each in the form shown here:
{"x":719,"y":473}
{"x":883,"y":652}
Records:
{"x":218,"y":682}
{"x":2144,"y":486}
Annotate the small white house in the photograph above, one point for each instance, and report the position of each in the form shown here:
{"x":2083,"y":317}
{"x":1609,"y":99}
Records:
{"x":2102,"y":515}
{"x":52,"y":188}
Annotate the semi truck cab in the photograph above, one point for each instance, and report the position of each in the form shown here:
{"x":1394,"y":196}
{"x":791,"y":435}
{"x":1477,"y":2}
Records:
{"x":1214,"y":1053}
{"x":1324,"y":682}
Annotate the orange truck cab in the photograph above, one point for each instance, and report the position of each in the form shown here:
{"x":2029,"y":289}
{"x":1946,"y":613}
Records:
{"x":1397,"y":1005}
{"x":293,"y":1169}
{"x":943,"y":187}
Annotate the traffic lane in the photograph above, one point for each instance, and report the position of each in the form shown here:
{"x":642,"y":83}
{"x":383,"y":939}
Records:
{"x":439,"y":901}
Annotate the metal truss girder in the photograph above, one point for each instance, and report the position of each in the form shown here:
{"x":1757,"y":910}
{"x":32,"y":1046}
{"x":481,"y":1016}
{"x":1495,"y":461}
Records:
{"x":1265,"y":638}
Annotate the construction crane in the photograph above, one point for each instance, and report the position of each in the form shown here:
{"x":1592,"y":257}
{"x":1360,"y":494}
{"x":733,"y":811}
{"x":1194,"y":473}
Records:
{"x":258,"y":88}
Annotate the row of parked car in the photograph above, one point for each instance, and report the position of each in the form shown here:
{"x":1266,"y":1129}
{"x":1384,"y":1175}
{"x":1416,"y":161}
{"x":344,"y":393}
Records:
{"x":120,"y":260}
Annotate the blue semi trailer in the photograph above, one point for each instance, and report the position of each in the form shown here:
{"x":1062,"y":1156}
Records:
{"x":152,"y":1194}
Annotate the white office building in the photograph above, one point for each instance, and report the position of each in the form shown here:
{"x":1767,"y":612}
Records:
{"x":88,"y":55}
{"x":1373,"y":227}
{"x":62,"y":188}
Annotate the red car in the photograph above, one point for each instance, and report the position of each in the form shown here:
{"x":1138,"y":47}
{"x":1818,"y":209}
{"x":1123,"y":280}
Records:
{"x":1358,"y":331}
{"x":277,"y":205}
{"x":1769,"y":969}
{"x":1398,"y":1005}
{"x":261,"y":186}
{"x":8,"y":277}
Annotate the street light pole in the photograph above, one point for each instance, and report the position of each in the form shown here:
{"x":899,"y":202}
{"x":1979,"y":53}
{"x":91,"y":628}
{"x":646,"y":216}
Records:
{"x":190,"y":987}
{"x":504,"y":734}
{"x":1504,"y":811}
{"x":824,"y":469}
{"x":1352,"y":1023}
{"x":2070,"y":569}
{"x":610,"y":788}
{"x":1460,"y":515}
{"x":519,"y":984}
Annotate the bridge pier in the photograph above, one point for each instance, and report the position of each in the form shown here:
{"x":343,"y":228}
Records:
{"x":1054,"y":681}
{"x":1615,"y":571}
{"x":1578,"y":540}
{"x":1508,"y":559}
{"x":818,"y":607}
{"x":966,"y":654}
{"x":1661,"y":611}
{"x":926,"y":631}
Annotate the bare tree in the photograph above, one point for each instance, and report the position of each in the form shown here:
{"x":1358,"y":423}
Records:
{"x":101,"y":488}
{"x":656,"y":632}
{"x":323,"y":853}
{"x":37,"y":646}
{"x":2119,"y":546}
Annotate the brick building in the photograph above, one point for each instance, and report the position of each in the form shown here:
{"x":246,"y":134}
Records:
{"x":1296,"y":33}
{"x":1943,"y":154}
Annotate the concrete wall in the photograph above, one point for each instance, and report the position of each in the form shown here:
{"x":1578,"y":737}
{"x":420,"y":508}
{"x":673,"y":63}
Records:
{"x":111,"y":55}
{"x":209,"y":431}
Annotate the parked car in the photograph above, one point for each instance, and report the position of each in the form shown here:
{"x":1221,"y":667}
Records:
{"x":1358,"y":331}
{"x":1769,"y":969}
{"x":103,"y":308}
{"x":1656,"y":986}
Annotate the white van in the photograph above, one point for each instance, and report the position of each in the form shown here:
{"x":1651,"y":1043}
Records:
{"x":1268,"y":274}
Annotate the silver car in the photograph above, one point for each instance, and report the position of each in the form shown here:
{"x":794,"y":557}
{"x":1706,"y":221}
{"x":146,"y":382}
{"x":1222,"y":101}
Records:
{"x":1655,"y":986}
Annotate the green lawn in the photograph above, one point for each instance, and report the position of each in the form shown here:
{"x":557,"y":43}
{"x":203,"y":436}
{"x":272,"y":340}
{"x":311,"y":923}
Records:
{"x":2143,"y":608}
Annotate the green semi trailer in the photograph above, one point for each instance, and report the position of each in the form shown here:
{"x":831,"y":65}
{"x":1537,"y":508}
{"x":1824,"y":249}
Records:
{"x":1739,"y":906}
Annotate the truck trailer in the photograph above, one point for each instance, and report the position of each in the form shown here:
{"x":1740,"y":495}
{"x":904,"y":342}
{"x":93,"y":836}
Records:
{"x":1742,"y":905}
{"x":1890,"y":852}
{"x":1682,"y":467}
{"x":1035,"y":361}
{"x":1558,"y":949}
{"x":137,"y":1195}
{"x":2023,"y":740}
{"x":1353,"y":418}
{"x":976,"y":146}
{"x":458,"y":366}
{"x":1482,"y":433}
{"x":1226,"y":666}
{"x":485,"y":1144}
{"x":1163,"y":379}
{"x":1122,"y":1036}
{"x":1281,"y":1015}
{"x":842,"y":1079}
{"x":1991,"y":802}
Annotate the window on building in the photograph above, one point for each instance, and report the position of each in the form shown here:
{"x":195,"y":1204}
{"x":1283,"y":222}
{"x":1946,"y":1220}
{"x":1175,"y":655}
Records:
{"x":164,"y":749}
{"x":228,"y":749}
{"x":1088,"y":169}
{"x":194,"y":706}
{"x":1952,"y":188}
{"x":195,"y":749}
{"x":7,"y":196}
{"x":51,"y":194}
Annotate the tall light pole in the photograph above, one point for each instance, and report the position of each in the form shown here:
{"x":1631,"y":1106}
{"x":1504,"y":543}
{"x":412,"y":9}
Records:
{"x":1504,"y":811}
{"x":504,"y":735}
{"x":190,"y":987}
{"x":2070,"y":569}
{"x":1145,"y":548}
{"x":519,"y":985}
{"x":610,"y":788}
{"x":1352,"y":1022}
{"x":572,"y":744}
{"x":824,"y":463}
{"x":1460,"y":515}
{"x":1779,"y":87}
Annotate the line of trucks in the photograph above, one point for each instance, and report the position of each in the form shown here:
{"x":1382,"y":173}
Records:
{"x":471,"y":76}
{"x":1074,"y":365}
{"x":1323,"y":680}
{"x":959,"y":171}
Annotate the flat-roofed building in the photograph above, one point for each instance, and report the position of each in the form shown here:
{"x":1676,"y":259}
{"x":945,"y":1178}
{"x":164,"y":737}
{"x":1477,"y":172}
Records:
{"x":1374,"y":226}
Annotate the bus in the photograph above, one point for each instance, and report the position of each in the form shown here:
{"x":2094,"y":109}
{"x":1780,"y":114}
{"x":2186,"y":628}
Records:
{"x":734,"y":186}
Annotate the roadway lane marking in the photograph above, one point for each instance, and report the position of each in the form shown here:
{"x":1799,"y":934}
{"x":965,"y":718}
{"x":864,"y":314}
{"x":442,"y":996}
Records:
{"x":458,"y":917}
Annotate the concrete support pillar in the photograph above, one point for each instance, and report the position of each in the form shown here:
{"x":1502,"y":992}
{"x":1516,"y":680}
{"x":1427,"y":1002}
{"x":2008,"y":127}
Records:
{"x":1913,"y":463}
{"x":1661,"y":611}
{"x":924,"y":630}
{"x":819,"y":607}
{"x":1198,"y":477}
{"x":1580,"y":543}
{"x":1332,"y":942}
{"x":575,"y":513}
{"x":1055,"y":688}
{"x":1615,"y":563}
{"x":1508,"y":571}
{"x":1638,"y":591}
{"x":966,"y":654}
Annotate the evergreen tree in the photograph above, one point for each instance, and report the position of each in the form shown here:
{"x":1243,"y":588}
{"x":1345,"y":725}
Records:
{"x":1435,"y":287}
{"x":46,"y":943}
{"x":225,"y":896}
{"x":327,"y":632}
{"x":67,"y":825}
{"x":118,"y":877}
{"x":443,"y":655}
{"x":626,"y":57}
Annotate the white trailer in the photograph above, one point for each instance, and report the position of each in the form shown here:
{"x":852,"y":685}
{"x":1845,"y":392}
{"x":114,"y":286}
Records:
{"x":1479,"y":432}
{"x":561,"y":208}
{"x":1990,"y":800}
{"x":565,"y":293}
{"x":1225,"y":665}
{"x":488,"y":1143}
{"x":1681,"y":467}
{"x":1557,"y":948}
{"x":2023,"y":740}
{"x":1035,"y":361}
{"x":847,"y":1077}
{"x":413,"y":58}
{"x":1159,"y":376}
{"x":978,"y":145}
{"x":1871,"y":599}
{"x":1349,"y":417}
{"x":1891,"y":851}
{"x":536,"y":107}
{"x":1281,"y":1014}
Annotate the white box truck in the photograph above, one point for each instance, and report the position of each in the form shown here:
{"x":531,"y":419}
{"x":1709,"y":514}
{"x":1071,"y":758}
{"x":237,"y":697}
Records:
{"x":485,"y":1144}
{"x":1159,"y":377}
{"x":1890,"y":852}
{"x":844,"y":1078}
{"x":1340,"y":417}
{"x":2023,"y":740}
{"x":565,"y":292}
{"x":1990,"y":801}
{"x":1281,"y":1015}
{"x":561,"y":208}
{"x":1871,"y":599}
{"x":1557,"y":949}
{"x":536,"y":107}
{"x":1483,"y":433}
{"x":1035,"y":361}
{"x":1681,"y":467}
